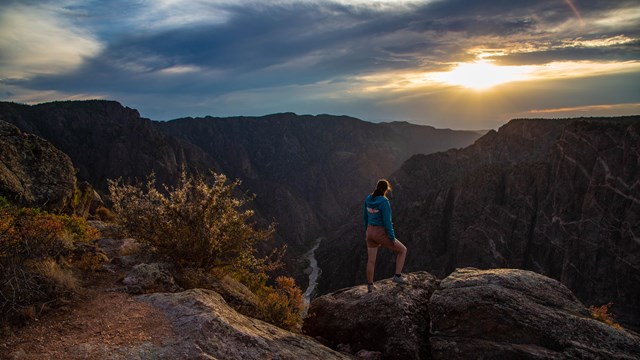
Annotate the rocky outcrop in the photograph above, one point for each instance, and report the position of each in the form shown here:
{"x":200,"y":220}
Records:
{"x":149,"y":278}
{"x":207,"y":328}
{"x":33,"y":172}
{"x":559,"y":197}
{"x":237,"y":295}
{"x":517,"y":314}
{"x":392,"y":320}
{"x":471,"y":314}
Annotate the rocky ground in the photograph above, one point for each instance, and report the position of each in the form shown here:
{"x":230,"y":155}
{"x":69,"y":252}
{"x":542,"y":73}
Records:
{"x":103,"y":322}
{"x":471,"y":314}
{"x":111,"y":321}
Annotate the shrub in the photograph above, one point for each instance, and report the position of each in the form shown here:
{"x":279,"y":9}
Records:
{"x":203,"y":227}
{"x":33,"y":271}
{"x":31,"y":234}
{"x":61,"y":277}
{"x":601,"y":313}
{"x":197,"y":224}
{"x":4,"y":203}
{"x":283,"y":305}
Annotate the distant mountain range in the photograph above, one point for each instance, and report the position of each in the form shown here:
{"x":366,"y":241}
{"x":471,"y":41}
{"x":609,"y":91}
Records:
{"x":559,"y":197}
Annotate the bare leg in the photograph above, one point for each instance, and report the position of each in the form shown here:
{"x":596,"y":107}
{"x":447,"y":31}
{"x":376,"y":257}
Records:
{"x":371,"y":263}
{"x":401,"y":254}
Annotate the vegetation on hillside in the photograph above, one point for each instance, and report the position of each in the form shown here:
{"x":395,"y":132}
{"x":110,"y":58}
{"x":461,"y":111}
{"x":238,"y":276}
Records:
{"x":203,"y":227}
{"x":602,"y":313}
{"x":39,"y":259}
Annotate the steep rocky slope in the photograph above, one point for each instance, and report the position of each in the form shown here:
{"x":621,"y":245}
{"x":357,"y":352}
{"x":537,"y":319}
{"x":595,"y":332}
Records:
{"x":560,"y":197}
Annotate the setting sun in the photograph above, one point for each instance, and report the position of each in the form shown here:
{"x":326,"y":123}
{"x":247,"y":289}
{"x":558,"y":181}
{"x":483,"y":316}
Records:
{"x":481,"y":75}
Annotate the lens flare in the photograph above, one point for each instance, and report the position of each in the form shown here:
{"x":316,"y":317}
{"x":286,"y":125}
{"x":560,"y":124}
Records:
{"x":575,"y":11}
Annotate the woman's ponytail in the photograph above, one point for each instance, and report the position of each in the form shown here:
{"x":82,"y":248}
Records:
{"x":381,"y":188}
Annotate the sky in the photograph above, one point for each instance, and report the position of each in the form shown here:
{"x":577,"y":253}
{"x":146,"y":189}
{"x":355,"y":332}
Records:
{"x":460,"y":64}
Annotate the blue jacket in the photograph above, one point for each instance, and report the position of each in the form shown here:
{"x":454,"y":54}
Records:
{"x":378,"y":212}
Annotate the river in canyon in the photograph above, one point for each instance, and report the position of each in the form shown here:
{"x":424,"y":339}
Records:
{"x":314,"y":272}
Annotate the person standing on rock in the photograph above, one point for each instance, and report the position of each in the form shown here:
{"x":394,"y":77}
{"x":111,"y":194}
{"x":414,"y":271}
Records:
{"x":379,"y":231}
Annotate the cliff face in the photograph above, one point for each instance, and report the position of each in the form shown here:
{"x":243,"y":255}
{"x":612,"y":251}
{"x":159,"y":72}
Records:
{"x":106,"y":140}
{"x":557,"y":197}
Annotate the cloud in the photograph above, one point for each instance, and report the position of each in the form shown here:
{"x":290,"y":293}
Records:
{"x":36,"y":40}
{"x":635,"y":107}
{"x":364,"y":58}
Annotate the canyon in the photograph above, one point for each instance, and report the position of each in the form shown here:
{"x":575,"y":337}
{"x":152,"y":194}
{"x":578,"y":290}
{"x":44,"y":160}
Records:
{"x":559,"y":197}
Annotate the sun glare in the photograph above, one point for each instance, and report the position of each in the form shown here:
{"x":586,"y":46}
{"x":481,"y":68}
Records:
{"x":481,"y":75}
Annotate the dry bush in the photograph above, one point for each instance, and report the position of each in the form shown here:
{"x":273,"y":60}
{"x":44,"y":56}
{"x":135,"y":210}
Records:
{"x":203,"y":226}
{"x":601,"y":313}
{"x":61,"y":277}
{"x":34,"y":272}
{"x":197,"y":224}
{"x":89,"y":260}
{"x":282,"y":305}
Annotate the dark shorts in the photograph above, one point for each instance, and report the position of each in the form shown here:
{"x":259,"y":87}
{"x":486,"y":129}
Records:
{"x":377,"y":236}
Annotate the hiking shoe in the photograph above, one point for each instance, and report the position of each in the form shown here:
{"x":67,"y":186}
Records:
{"x":398,"y":280}
{"x":370,"y":288}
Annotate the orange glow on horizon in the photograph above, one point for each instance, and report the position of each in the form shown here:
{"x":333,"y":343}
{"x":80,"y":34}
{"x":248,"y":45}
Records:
{"x":481,"y":75}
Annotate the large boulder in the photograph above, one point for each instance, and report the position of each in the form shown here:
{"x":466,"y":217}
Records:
{"x":205,"y":327}
{"x":393,"y":319}
{"x":148,"y":278}
{"x":33,"y":172}
{"x":518,"y":314}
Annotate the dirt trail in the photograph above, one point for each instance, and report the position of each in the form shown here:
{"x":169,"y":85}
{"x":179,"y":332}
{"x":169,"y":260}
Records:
{"x":101,"y":323}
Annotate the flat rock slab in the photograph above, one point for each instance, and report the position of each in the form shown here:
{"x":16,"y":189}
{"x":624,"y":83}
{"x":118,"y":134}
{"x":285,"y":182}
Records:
{"x":518,"y":314}
{"x":207,"y":328}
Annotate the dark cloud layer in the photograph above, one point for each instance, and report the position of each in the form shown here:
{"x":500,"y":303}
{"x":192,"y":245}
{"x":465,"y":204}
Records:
{"x":263,"y":45}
